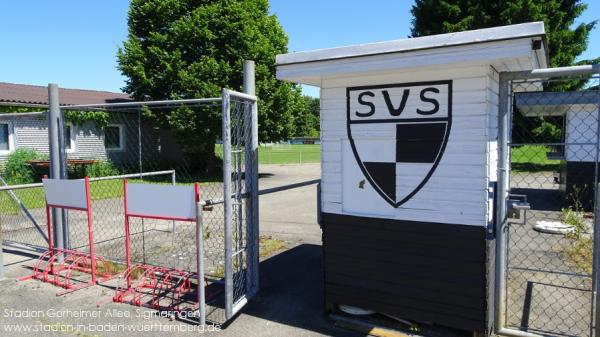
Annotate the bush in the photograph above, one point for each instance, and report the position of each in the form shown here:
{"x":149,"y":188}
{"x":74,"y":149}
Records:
{"x":101,"y":169}
{"x":546,"y":131}
{"x":18,"y":170}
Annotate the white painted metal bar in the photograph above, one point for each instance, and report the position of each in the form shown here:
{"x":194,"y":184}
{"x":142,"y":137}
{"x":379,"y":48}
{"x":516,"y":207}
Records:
{"x":501,"y":203}
{"x":251,"y":180}
{"x":240,"y":95}
{"x":553,"y":72}
{"x":56,"y":156}
{"x":239,"y":305}
{"x":209,"y":202}
{"x":144,"y":103}
{"x":1,"y":255}
{"x":516,"y":333}
{"x":228,"y":206}
{"x":131,"y":175}
{"x":200,"y":265}
{"x":24,"y":114}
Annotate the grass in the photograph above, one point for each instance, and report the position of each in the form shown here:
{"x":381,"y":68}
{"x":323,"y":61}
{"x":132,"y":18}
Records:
{"x":270,"y":245}
{"x":579,"y":253}
{"x":284,"y":153}
{"x":289,"y":154}
{"x":532,"y":158}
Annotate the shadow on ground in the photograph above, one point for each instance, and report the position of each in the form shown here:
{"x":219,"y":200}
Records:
{"x":291,"y":292}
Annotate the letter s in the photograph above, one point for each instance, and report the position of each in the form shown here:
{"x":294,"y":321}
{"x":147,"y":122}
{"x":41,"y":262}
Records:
{"x":436,"y":104}
{"x":363,"y":102}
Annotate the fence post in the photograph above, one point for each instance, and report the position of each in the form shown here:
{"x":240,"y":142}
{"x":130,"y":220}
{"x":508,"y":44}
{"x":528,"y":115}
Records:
{"x":502,"y":194}
{"x":251,"y":179}
{"x":227,"y":206}
{"x":55,"y":126}
{"x":200,"y":265}
{"x":596,"y":230}
{"x":596,"y":261}
{"x":174,"y":182}
{"x":1,"y":254}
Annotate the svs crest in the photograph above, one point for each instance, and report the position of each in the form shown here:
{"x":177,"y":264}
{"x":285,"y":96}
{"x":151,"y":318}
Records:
{"x":398,"y":133}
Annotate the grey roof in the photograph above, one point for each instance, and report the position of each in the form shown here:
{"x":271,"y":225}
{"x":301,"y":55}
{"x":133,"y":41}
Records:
{"x":35,"y":94}
{"x":534,"y":104}
{"x":525,"y":99}
{"x":510,"y":32}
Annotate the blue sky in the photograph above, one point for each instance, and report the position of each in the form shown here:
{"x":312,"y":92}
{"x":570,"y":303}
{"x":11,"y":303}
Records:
{"x":74,"y":43}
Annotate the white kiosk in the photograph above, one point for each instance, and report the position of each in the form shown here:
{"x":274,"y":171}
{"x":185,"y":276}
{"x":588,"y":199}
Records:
{"x":409,"y":162}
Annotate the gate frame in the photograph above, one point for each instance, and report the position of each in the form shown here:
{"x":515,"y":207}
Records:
{"x":504,"y":132}
{"x":251,"y":222}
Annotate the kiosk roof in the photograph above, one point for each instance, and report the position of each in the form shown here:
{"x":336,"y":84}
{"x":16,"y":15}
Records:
{"x":524,"y":30}
{"x":508,"y":48}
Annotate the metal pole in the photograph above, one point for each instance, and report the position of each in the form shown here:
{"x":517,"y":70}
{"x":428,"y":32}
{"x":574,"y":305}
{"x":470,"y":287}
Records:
{"x":252,"y":234}
{"x":1,"y":254}
{"x":596,"y":259}
{"x":227,"y":205}
{"x":501,"y":206}
{"x":55,"y":123}
{"x":596,"y":231}
{"x":174,"y":182}
{"x":200,"y":264}
{"x":139,"y":129}
{"x":553,"y":72}
{"x":64,"y":175}
{"x":594,"y":328}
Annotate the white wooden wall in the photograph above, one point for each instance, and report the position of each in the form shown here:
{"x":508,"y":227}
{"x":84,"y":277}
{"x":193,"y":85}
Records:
{"x":457,"y":192}
{"x":582,"y":133}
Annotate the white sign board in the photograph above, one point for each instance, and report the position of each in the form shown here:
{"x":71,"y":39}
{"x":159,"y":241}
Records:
{"x":65,"y":193}
{"x":161,"y":201}
{"x":397,"y":135}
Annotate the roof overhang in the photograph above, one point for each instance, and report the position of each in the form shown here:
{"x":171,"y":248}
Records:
{"x":536,"y":104}
{"x":508,"y":48}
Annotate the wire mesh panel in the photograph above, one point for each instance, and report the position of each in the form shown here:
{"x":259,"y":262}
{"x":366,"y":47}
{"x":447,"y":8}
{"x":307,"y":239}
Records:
{"x":23,"y":217}
{"x":554,"y":168}
{"x":22,"y":214}
{"x":240,"y":158}
{"x":119,"y":139}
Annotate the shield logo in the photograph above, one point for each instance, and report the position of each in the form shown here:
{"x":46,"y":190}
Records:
{"x":398,"y":134}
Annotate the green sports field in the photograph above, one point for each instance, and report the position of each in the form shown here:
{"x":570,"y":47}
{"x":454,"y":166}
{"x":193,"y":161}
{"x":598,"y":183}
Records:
{"x":289,"y":154}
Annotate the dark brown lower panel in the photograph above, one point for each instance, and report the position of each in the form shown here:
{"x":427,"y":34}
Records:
{"x":579,"y":181}
{"x":438,"y":276}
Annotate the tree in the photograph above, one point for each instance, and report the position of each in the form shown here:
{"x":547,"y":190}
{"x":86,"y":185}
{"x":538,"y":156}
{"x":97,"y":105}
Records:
{"x":564,"y":43}
{"x":191,"y":49}
{"x":306,"y":115}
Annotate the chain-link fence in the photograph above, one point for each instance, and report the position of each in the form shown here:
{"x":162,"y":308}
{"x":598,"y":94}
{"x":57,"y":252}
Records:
{"x":209,"y":141}
{"x":554,"y":168}
{"x":23,"y":217}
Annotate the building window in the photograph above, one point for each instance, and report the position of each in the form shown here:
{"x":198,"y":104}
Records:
{"x":69,"y":138}
{"x":113,"y":137}
{"x":6,"y":137}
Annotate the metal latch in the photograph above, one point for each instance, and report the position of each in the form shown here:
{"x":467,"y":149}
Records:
{"x":517,"y":208}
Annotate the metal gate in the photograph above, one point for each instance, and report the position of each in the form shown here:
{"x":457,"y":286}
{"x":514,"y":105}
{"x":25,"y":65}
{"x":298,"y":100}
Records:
{"x":549,"y":129}
{"x":240,"y":181}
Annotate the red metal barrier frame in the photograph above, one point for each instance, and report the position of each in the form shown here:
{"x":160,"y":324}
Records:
{"x":73,"y":260}
{"x":158,"y":279}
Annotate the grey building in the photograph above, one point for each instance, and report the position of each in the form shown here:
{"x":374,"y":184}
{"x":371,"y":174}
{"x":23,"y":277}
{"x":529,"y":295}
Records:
{"x":119,"y":141}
